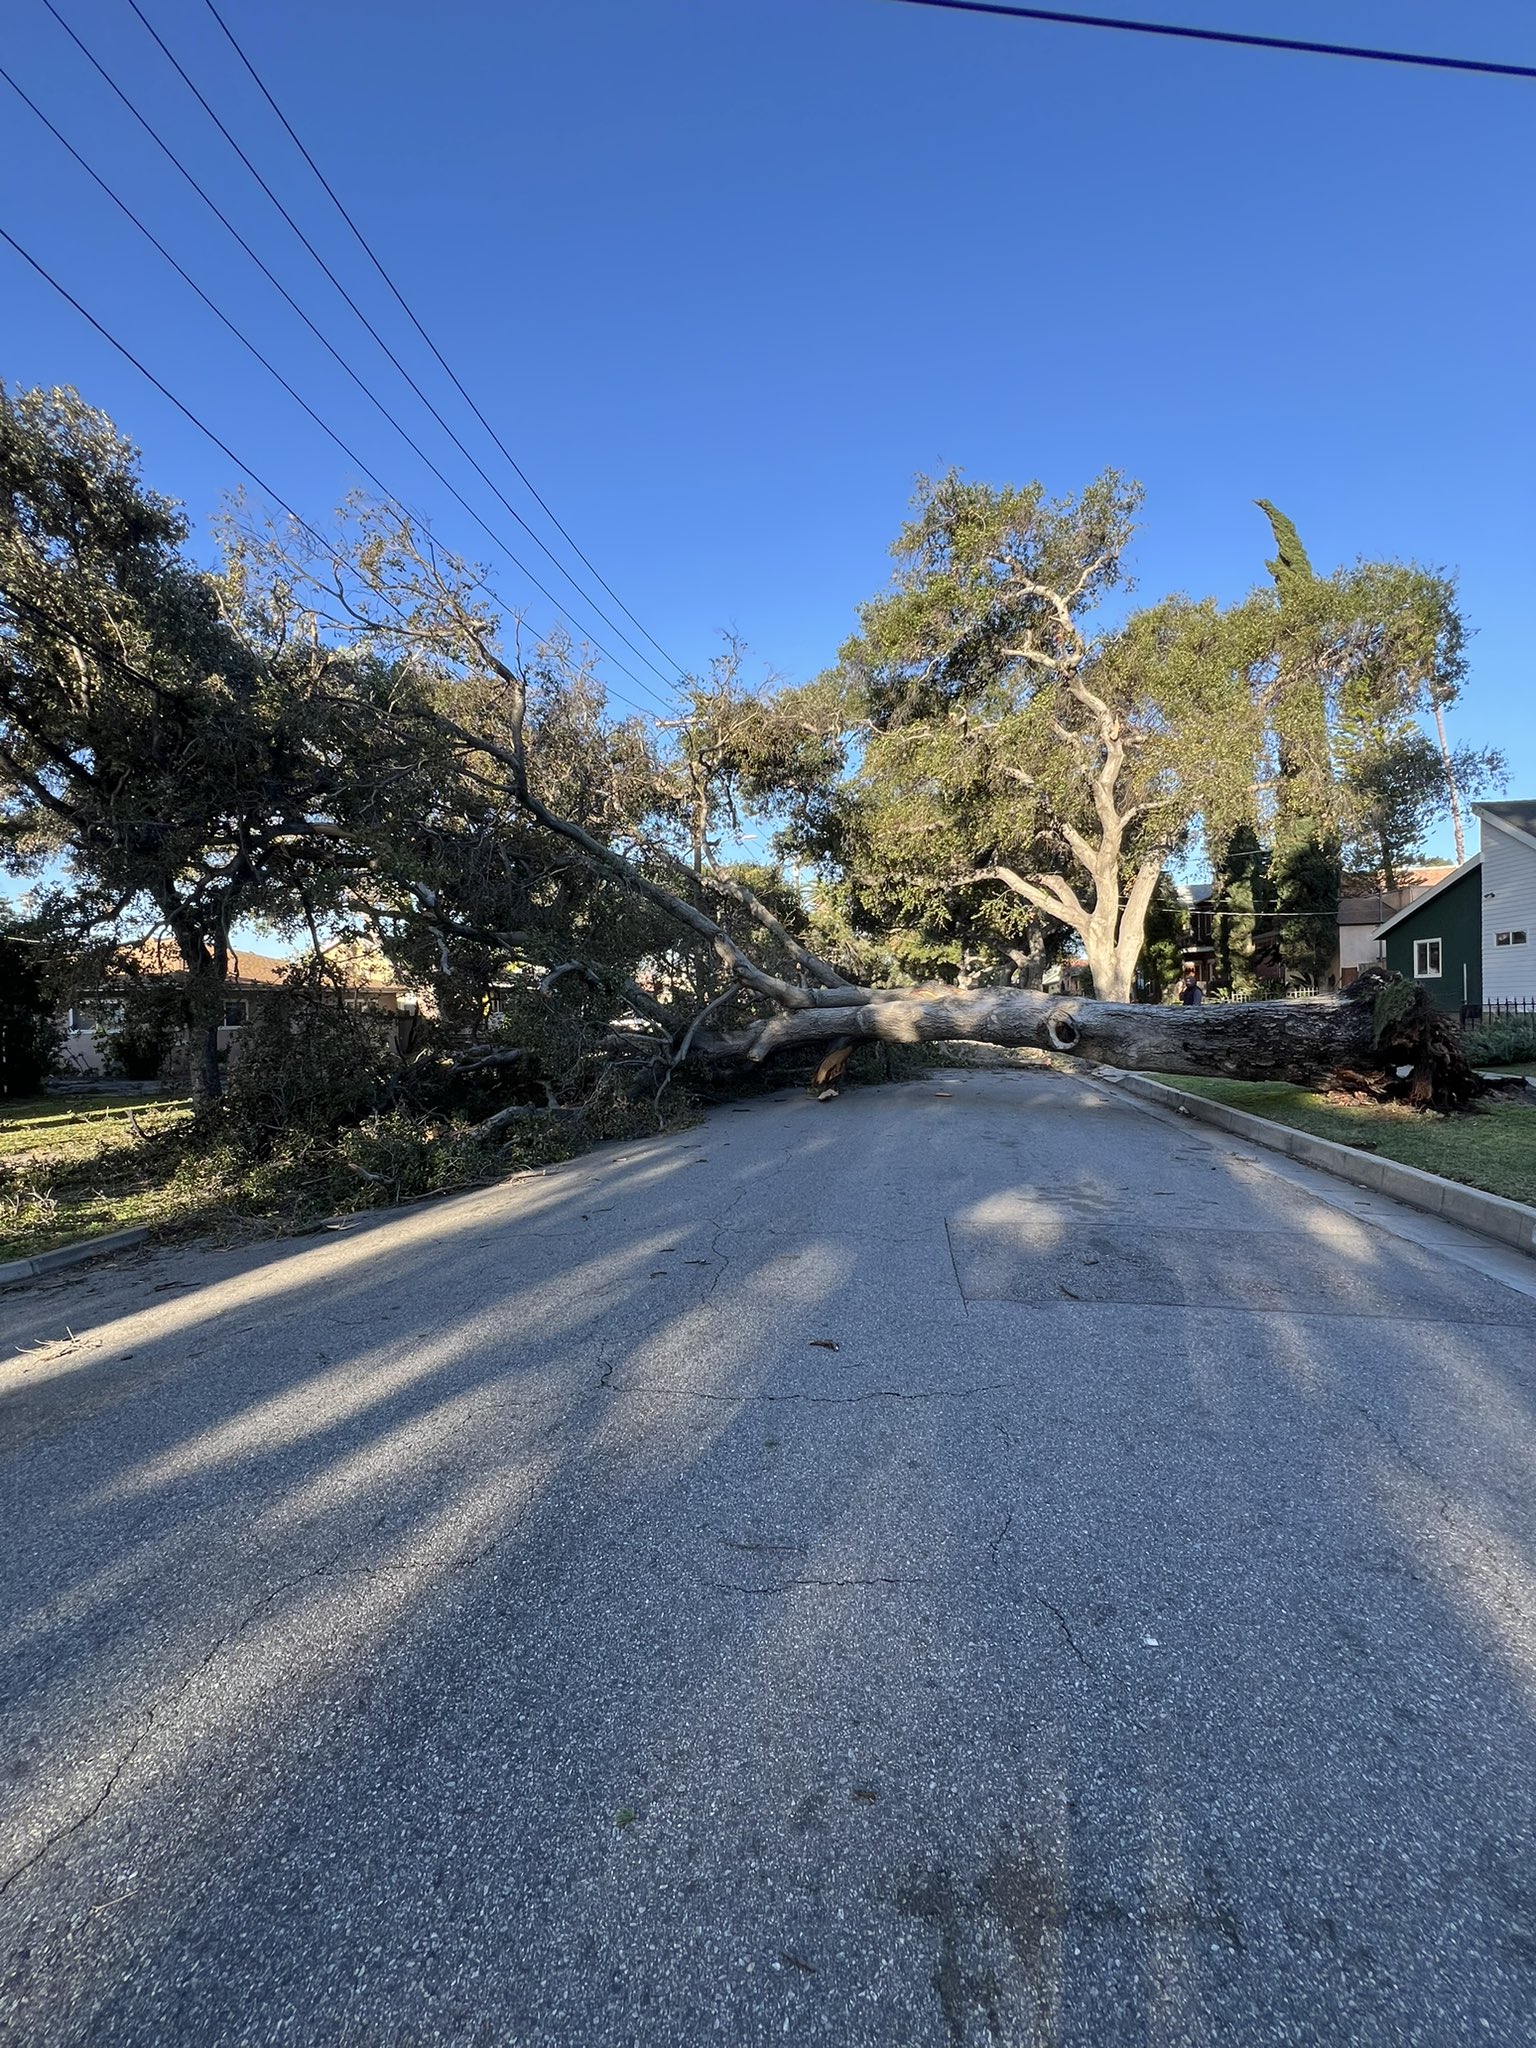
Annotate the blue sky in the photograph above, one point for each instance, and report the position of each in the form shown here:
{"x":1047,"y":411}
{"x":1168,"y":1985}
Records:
{"x":726,"y":273}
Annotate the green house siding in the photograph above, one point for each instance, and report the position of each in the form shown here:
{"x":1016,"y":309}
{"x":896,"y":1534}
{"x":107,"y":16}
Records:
{"x":1455,"y":918}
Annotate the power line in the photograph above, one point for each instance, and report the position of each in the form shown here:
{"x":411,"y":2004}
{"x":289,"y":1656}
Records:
{"x":192,"y":284}
{"x":268,"y":490}
{"x":165,"y":392}
{"x":1363,"y":52}
{"x":220,"y":315}
{"x":341,"y":361}
{"x":367,"y":248}
{"x":378,"y":338}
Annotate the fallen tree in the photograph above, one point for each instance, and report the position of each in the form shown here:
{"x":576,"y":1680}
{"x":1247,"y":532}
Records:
{"x":1381,"y":1037}
{"x":462,"y":693}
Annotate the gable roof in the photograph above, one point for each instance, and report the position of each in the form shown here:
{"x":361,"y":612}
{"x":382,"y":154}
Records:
{"x":1517,"y":819}
{"x":1446,"y":882}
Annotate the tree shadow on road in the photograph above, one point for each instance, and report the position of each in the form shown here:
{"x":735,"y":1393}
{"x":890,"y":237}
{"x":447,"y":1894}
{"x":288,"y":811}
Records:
{"x":803,"y":1577}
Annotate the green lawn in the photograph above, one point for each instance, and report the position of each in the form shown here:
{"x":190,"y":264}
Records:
{"x":80,"y":1167}
{"x":1493,"y":1148}
{"x":75,"y":1166}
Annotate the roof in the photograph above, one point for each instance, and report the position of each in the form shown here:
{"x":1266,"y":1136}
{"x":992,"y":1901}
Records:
{"x":1446,"y":882}
{"x":1370,"y":909}
{"x":1384,"y":903}
{"x":1518,"y":818}
{"x":159,"y":956}
{"x":359,"y":965}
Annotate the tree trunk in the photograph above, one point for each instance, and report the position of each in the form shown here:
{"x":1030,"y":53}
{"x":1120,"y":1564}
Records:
{"x":207,"y":970}
{"x":1312,"y":1043}
{"x":1451,"y":790}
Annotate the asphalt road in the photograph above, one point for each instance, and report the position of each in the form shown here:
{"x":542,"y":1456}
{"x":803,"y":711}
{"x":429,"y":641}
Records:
{"x":972,"y":1562}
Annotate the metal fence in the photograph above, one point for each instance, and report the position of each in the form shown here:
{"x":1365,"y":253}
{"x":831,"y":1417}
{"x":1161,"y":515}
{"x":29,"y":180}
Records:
{"x":1501,"y":1006}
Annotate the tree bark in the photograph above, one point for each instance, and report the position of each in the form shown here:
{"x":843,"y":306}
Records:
{"x":207,"y":971}
{"x":1451,"y":789}
{"x":1312,"y":1043}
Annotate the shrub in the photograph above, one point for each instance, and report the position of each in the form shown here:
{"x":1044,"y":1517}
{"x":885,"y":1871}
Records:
{"x":29,"y":1037}
{"x":308,"y":1063}
{"x":149,"y":1035}
{"x":1498,"y":1039}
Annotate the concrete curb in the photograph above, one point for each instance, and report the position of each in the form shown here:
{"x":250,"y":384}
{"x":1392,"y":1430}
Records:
{"x":69,"y":1255}
{"x":1512,"y":1223}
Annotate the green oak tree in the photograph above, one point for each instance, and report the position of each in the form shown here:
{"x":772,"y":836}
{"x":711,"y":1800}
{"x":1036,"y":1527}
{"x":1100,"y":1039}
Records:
{"x":1019,"y":763}
{"x":177,"y":772}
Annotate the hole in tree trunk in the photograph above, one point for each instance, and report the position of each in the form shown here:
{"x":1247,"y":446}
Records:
{"x":1062,"y":1032}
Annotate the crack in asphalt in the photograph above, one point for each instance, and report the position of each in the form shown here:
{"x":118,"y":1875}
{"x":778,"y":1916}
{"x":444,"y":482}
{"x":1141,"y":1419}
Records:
{"x":153,"y":1712}
{"x":723,"y":1259}
{"x":62,"y":1834}
{"x":790,"y":1585}
{"x":722,"y":1222}
{"x":328,"y":1567}
{"x":815,"y":1400}
{"x":1065,"y":1626}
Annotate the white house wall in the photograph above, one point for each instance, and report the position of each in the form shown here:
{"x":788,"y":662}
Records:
{"x":1357,"y":948}
{"x":1509,"y":904}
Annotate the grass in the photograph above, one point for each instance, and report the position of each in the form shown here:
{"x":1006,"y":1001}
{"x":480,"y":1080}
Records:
{"x":1492,"y":1148}
{"x":77,"y":1167}
{"x":83,"y":1168}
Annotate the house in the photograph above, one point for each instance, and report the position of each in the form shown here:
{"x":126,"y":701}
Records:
{"x":1361,"y":919}
{"x":252,"y":978}
{"x":1198,"y":947}
{"x":1509,"y":901}
{"x":1438,"y":938}
{"x":1471,"y":938}
{"x":1067,"y":978}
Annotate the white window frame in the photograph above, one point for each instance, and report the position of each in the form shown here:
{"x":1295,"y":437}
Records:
{"x":1426,"y":951}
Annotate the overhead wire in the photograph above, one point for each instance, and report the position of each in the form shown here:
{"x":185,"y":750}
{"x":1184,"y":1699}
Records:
{"x":1363,"y":52}
{"x":267,"y":489}
{"x":191,"y":282}
{"x":368,"y":250}
{"x":362,"y":317}
{"x":497,"y":540}
{"x":220,"y":315}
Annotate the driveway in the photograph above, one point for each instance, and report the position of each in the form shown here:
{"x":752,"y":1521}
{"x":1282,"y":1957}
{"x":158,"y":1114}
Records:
{"x":976,"y":1561}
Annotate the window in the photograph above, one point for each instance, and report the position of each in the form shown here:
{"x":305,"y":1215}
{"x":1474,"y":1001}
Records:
{"x":234,"y":1015}
{"x":1426,"y":959}
{"x":1509,"y":938}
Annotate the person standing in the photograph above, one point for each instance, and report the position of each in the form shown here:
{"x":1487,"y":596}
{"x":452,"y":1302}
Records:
{"x":1189,"y":991}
